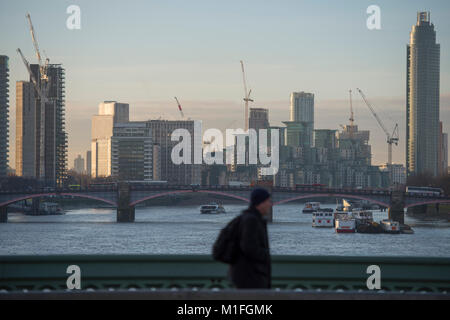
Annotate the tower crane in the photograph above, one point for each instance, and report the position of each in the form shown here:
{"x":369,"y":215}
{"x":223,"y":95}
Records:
{"x":179,"y":108}
{"x":42,"y":67}
{"x":247,"y":98}
{"x":391,"y":138}
{"x":27,"y":65}
{"x":352,"y":119}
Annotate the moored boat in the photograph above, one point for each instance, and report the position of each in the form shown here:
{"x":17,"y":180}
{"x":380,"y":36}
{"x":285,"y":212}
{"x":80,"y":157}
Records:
{"x":311,"y":207}
{"x":322,"y":219}
{"x":362,"y":217}
{"x":45,"y":209}
{"x":344,"y":223}
{"x":371,"y":228}
{"x":212,"y":208}
{"x":390,"y":226}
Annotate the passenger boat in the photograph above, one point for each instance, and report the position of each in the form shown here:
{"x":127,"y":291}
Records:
{"x":390,"y":226}
{"x":322,"y":219}
{"x":311,"y":207}
{"x":212,"y":208}
{"x":344,"y":223}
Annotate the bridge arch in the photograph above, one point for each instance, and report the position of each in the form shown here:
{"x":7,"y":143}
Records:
{"x":332,"y":195}
{"x":438,"y":201}
{"x":39,"y":195}
{"x":164,"y":194}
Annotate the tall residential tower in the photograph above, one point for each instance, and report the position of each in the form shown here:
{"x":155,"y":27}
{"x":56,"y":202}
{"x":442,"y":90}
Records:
{"x":302,"y":110}
{"x":4,"y":113}
{"x":25,"y":130}
{"x":49,"y":128}
{"x":422,"y":98}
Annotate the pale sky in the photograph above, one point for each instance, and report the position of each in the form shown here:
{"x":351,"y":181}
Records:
{"x":146,"y":52}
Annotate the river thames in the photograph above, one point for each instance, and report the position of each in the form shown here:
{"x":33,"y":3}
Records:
{"x":183,"y":230}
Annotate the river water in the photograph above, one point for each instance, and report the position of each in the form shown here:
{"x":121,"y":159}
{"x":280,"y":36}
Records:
{"x":183,"y":230}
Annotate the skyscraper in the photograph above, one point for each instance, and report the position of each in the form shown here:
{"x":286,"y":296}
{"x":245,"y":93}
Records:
{"x":302,"y":110}
{"x":50,"y":131}
{"x":4,"y":114}
{"x":109,"y":113}
{"x":25,"y":130}
{"x":422,"y":89}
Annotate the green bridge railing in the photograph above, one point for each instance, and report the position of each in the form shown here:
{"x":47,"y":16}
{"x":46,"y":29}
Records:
{"x":152,"y":272}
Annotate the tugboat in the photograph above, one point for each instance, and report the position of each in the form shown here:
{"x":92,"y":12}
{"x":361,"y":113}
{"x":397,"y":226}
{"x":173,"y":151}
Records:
{"x":390,"y":226}
{"x":212,"y":208}
{"x":365,"y":223}
{"x":311,"y":207}
{"x":362,"y":217}
{"x":371,"y":228}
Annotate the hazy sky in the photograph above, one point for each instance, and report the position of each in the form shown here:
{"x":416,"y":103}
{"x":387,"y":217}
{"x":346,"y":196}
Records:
{"x":146,"y":52}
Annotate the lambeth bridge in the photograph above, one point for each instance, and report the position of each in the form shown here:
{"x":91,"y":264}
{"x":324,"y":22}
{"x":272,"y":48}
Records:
{"x":125,"y":197}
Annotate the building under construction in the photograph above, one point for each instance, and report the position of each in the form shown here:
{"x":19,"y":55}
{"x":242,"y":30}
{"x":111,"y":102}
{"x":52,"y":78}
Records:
{"x":48,"y":147}
{"x":52,"y":150}
{"x":47,"y":143}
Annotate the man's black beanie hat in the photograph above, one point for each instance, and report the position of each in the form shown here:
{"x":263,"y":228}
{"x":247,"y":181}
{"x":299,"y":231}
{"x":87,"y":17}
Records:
{"x":259,"y":195}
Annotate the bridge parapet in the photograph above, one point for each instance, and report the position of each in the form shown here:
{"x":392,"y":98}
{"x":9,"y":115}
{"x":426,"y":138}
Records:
{"x":328,"y":273}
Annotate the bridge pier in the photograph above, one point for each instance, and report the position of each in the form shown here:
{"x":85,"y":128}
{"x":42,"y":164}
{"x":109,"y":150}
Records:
{"x":125,"y":212}
{"x":4,"y":214}
{"x":397,"y":209}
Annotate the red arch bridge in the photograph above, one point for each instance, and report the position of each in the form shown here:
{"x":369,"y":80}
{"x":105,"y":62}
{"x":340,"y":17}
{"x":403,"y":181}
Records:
{"x":126,"y":198}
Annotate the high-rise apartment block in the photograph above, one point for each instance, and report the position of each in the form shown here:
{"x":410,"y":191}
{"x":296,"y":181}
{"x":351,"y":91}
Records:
{"x":422,"y":98}
{"x":302,"y":110}
{"x":25,"y":130}
{"x":4,"y":115}
{"x":41,"y":138}
{"x":50,"y":132}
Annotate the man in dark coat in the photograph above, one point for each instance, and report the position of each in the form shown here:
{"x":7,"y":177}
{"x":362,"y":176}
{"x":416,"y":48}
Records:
{"x":252,"y":269}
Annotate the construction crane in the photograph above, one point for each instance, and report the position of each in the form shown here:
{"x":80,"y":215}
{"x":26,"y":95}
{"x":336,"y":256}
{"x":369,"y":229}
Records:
{"x":247,"y":98}
{"x":352,"y":119}
{"x":42,"y":67}
{"x":27,"y":65}
{"x":391,"y":138}
{"x":179,"y":108}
